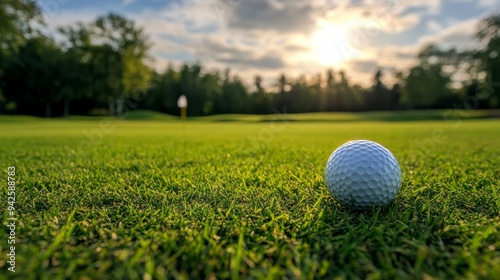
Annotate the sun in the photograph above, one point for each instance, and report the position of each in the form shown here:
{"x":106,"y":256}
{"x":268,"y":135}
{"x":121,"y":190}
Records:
{"x":330,"y":44}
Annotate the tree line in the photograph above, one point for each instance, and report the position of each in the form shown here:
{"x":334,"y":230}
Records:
{"x":93,"y":68}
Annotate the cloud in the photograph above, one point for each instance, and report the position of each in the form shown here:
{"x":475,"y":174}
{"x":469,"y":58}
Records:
{"x":281,"y":16}
{"x":482,"y":3}
{"x":459,"y":35}
{"x":128,"y":2}
{"x":268,"y":61}
{"x":488,"y":3}
{"x":376,"y":15}
{"x":397,"y":58}
{"x":66,"y":17}
{"x":388,"y":58}
{"x":397,"y":52}
{"x":277,"y":16}
{"x":274,"y":36}
{"x":238,"y":57}
{"x":403,"y":23}
{"x":433,"y":25}
{"x":364,"y":66}
{"x":295,"y":48}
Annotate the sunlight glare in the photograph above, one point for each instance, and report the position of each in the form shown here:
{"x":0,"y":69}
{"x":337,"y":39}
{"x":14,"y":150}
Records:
{"x":331,"y":44}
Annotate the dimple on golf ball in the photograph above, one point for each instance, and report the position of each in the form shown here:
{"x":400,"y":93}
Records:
{"x":362,"y":174}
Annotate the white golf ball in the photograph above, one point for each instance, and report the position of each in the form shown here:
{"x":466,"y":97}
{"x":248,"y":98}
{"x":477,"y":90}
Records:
{"x":362,"y":173}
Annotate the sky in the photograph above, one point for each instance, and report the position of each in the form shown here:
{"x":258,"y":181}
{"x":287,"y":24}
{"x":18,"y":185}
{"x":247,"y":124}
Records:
{"x":270,"y":37}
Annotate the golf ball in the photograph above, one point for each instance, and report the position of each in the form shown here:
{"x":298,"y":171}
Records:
{"x":362,"y":173}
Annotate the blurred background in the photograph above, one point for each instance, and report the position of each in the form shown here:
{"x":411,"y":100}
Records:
{"x":64,"y":57}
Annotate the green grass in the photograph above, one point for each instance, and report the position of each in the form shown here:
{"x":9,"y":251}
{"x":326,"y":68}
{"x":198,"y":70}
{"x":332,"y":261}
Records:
{"x":247,"y":199}
{"x":451,"y":114}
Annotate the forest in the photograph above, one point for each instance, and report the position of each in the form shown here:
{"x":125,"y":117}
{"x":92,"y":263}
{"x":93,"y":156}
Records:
{"x":102,"y":67}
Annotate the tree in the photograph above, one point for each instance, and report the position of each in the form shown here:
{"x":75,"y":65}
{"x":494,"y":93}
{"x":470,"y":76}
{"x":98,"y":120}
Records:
{"x":78,"y":77}
{"x":298,"y":99}
{"x":260,"y":98}
{"x":340,"y":91}
{"x":234,"y":94}
{"x":425,"y":85}
{"x":316,"y":93}
{"x":348,"y":97}
{"x":211,"y":90}
{"x":190,"y":77}
{"x":16,"y":24}
{"x":329,"y":96}
{"x":378,"y":97}
{"x":100,"y":64}
{"x":111,"y":52}
{"x":123,"y":49}
{"x":164,"y":91}
{"x":282,"y":84}
{"x":489,"y":35}
{"x":394,"y":96}
{"x":34,"y":76}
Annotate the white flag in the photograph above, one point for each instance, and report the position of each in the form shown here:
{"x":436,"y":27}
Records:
{"x":182,"y":102}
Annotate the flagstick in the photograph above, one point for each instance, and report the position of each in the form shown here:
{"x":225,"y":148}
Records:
{"x":183,"y":117}
{"x":183,"y":103}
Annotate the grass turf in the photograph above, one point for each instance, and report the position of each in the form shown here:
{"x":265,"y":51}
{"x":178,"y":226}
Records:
{"x":247,"y":199}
